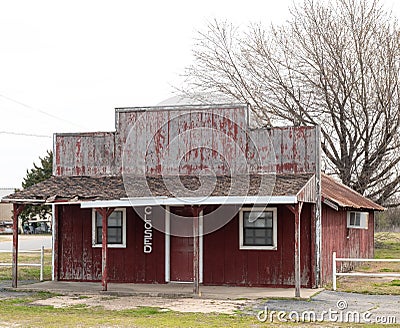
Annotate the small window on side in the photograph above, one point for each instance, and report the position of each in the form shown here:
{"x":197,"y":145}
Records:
{"x":357,"y":220}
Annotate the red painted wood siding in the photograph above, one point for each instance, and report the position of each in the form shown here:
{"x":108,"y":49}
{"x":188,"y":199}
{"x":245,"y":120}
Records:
{"x":196,"y":138}
{"x":359,"y":244}
{"x":226,"y":264}
{"x":79,"y":261}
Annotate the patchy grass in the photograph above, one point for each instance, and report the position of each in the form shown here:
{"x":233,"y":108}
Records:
{"x":22,"y":312}
{"x":26,"y":273}
{"x":387,"y":246}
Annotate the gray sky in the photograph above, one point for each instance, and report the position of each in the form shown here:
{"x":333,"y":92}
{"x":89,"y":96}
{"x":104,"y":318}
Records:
{"x":65,"y":65}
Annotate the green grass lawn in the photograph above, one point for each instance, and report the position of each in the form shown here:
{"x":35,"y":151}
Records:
{"x":387,"y":246}
{"x":21,"y":312}
{"x":26,"y":273}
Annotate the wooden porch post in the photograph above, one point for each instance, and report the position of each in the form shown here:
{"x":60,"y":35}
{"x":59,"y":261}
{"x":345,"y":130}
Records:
{"x":105,"y":213}
{"x":296,"y":210}
{"x":196,"y":251}
{"x":55,"y":242}
{"x":313,"y":267}
{"x":17,"y":209}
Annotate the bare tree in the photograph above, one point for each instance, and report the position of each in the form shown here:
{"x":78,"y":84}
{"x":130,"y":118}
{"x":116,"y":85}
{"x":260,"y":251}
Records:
{"x":334,"y":63}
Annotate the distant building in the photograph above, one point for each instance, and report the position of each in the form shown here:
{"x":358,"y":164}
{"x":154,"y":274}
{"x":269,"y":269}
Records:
{"x":6,"y":213}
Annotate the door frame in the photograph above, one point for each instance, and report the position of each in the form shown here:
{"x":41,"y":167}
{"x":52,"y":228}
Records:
{"x":168,"y":246}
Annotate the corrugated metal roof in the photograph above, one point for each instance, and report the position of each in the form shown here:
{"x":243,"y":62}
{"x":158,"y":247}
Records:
{"x":344,"y":196}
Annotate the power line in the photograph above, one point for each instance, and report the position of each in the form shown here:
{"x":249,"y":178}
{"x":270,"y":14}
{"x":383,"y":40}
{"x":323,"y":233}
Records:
{"x":39,"y":110}
{"x":26,"y":134}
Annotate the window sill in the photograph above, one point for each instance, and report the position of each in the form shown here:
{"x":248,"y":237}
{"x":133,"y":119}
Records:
{"x":355,"y":227}
{"x":254,"y":248}
{"x":109,"y":246}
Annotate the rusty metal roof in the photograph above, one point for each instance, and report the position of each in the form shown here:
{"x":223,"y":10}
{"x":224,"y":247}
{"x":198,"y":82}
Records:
{"x":344,"y":196}
{"x":113,"y":187}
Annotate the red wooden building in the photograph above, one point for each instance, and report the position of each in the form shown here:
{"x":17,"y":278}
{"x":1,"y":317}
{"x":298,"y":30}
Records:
{"x":194,"y":194}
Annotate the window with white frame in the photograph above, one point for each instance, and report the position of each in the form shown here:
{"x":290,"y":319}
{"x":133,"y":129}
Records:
{"x":116,"y":228}
{"x":258,"y":228}
{"x":357,"y":220}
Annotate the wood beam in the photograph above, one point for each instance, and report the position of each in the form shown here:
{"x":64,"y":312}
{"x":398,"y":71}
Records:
{"x":55,"y":209}
{"x":17,"y":209}
{"x":105,"y":213}
{"x":297,"y":268}
{"x":196,"y":250}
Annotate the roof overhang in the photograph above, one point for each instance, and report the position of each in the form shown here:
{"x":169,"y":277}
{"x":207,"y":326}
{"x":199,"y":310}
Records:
{"x":23,"y":201}
{"x":212,"y":200}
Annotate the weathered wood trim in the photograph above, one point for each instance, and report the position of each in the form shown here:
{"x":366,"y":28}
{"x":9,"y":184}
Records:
{"x":17,"y":209}
{"x":55,"y":233}
{"x":105,"y":213}
{"x":196,"y":259}
{"x":297,"y":268}
{"x":167,"y":244}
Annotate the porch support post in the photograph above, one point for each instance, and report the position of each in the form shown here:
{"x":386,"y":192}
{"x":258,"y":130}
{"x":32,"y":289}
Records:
{"x":196,"y":251}
{"x":54,"y":209}
{"x":105,"y":213}
{"x":17,"y":209}
{"x":313,"y":266}
{"x":297,"y":270}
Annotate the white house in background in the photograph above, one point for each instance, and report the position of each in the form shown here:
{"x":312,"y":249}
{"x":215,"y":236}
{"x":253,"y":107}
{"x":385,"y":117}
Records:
{"x":6,"y":213}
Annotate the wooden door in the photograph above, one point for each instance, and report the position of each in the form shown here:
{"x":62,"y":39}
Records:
{"x":181,"y":259}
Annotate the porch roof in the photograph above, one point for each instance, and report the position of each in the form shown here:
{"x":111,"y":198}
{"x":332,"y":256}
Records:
{"x":106,"y":188}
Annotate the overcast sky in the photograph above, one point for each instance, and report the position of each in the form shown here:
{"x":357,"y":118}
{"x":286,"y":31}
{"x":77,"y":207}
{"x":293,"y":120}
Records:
{"x":65,"y":66}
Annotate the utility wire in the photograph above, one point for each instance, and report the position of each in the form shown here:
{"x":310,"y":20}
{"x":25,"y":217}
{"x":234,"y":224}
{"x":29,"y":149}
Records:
{"x":26,"y":134}
{"x":40,"y":111}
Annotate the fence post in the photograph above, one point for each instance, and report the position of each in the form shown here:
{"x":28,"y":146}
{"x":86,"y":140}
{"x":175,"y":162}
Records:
{"x":41,"y":263}
{"x":334,"y":271}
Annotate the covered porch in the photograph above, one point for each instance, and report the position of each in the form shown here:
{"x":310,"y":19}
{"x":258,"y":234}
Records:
{"x":107,"y":194}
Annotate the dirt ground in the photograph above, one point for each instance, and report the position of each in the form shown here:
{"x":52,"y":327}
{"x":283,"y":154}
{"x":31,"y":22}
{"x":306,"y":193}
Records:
{"x":131,"y":302}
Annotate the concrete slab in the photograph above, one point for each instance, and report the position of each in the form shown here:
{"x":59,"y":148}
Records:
{"x":171,"y":290}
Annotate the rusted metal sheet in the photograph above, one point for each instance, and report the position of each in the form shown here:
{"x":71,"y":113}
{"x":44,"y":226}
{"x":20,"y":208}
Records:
{"x":344,"y":197}
{"x":89,"y":154}
{"x":347,"y":243}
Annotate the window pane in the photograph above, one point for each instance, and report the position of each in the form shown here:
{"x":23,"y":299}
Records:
{"x":249,"y":233}
{"x":352,"y":217}
{"x":260,"y":242}
{"x":98,"y":236}
{"x":258,"y":228}
{"x":114,"y":222}
{"x":98,"y":220}
{"x":114,"y":236}
{"x":114,"y":229}
{"x":249,"y":241}
{"x":260,"y":233}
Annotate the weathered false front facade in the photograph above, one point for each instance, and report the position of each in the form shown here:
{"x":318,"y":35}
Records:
{"x":193,"y":194}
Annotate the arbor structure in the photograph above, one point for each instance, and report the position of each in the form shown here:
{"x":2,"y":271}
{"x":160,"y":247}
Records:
{"x":334,"y":63}
{"x":37,"y":174}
